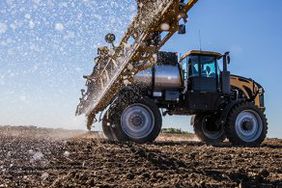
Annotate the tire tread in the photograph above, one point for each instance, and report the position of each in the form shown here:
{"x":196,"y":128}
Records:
{"x":230,"y":129}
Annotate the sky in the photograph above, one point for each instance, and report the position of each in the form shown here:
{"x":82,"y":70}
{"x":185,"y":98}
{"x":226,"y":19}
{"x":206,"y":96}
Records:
{"x":47,"y":46}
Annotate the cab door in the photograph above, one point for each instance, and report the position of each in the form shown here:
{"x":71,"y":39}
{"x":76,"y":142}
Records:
{"x":203,"y":82}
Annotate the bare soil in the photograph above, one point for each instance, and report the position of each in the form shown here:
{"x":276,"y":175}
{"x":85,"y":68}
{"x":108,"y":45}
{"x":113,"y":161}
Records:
{"x":36,"y":157}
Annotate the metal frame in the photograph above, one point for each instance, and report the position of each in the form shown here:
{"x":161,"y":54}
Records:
{"x":112,"y":69}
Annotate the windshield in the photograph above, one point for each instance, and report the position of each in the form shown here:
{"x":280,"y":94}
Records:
{"x":208,"y":67}
{"x":204,"y":66}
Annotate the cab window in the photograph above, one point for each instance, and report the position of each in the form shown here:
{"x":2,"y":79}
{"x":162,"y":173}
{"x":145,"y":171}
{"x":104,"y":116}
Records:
{"x":208,"y":70}
{"x":184,"y":66}
{"x":190,"y":67}
{"x":208,"y":67}
{"x":194,"y":66}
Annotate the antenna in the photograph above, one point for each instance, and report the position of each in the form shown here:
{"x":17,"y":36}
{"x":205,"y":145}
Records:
{"x":200,"y":40}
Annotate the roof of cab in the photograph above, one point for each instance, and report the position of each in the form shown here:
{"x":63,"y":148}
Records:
{"x":200,"y":52}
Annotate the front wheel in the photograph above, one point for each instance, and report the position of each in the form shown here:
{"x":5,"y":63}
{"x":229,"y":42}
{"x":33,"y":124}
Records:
{"x":246,"y":125}
{"x":139,"y":122}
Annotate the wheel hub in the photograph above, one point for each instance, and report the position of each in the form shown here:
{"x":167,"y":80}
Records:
{"x":137,"y":121}
{"x":248,"y":125}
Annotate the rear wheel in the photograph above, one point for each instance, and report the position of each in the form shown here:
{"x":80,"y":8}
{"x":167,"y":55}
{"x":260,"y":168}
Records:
{"x":246,"y":126}
{"x":138,"y":121}
{"x":206,"y":129}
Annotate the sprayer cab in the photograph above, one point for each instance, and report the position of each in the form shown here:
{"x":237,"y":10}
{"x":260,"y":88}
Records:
{"x":202,"y":73}
{"x":193,"y":84}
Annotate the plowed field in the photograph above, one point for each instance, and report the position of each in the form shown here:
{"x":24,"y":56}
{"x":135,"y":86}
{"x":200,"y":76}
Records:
{"x":36,"y":157}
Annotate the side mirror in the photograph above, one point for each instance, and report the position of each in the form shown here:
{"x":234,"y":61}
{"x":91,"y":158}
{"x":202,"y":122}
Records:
{"x":227,"y":56}
{"x":110,"y":38}
{"x":228,"y":60}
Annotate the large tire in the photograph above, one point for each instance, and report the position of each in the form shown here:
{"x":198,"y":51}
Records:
{"x":246,"y":125}
{"x":139,"y":121}
{"x":206,"y":129}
